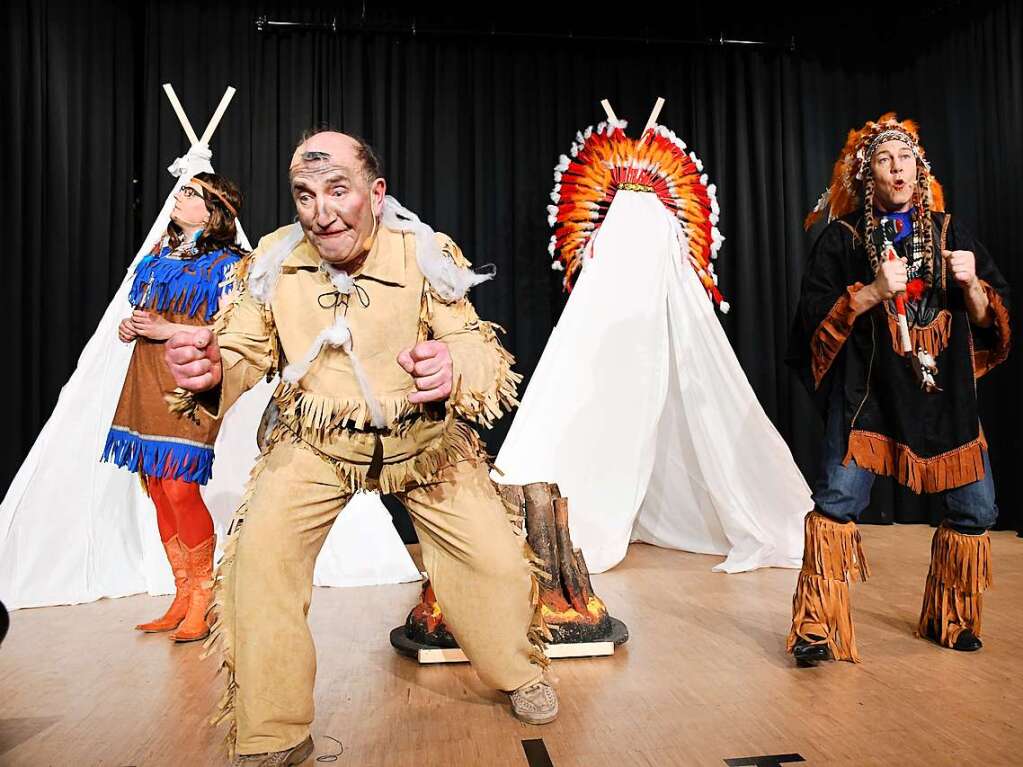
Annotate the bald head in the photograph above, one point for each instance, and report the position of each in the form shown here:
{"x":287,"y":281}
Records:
{"x":325,"y":150}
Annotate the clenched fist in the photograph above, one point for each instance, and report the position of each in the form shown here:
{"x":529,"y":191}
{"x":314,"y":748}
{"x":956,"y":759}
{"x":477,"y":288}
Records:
{"x":193,"y":358}
{"x":890,"y":279}
{"x":963,"y":265}
{"x":429,"y":364}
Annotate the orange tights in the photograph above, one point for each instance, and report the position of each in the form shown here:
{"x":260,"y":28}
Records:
{"x":180,"y":509}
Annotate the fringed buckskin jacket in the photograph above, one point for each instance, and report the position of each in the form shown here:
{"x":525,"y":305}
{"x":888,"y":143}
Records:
{"x":928,"y":441}
{"x":392,"y":307}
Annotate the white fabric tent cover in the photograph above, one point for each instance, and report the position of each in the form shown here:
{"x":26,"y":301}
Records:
{"x":640,"y":412}
{"x":74,"y":530}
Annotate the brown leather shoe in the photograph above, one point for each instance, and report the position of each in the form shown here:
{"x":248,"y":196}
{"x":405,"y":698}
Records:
{"x":200,"y":584}
{"x":182,"y":595}
{"x":288,"y":758}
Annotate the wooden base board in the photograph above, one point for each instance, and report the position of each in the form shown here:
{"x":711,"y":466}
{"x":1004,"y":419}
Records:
{"x":576,"y":650}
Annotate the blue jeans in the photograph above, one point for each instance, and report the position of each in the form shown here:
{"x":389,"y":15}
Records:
{"x":843,"y":492}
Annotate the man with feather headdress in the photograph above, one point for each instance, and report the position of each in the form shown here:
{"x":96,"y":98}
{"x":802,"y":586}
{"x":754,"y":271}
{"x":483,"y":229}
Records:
{"x":901,"y":311}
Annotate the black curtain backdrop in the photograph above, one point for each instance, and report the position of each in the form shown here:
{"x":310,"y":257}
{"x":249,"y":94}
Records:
{"x":470,"y":114}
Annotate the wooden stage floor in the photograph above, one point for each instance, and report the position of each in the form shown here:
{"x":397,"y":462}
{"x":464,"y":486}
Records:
{"x":704,"y":678}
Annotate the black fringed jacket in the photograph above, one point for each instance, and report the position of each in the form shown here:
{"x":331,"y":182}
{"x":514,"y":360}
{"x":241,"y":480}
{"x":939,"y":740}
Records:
{"x":928,"y":441}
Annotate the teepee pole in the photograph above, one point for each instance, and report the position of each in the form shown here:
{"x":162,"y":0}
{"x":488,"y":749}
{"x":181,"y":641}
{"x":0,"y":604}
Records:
{"x":215,"y":120}
{"x":607,"y":109}
{"x":182,"y":117}
{"x":652,"y":120}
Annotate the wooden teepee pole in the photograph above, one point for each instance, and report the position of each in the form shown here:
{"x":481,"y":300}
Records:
{"x":215,"y":120}
{"x":182,"y":117}
{"x":608,"y":110}
{"x":652,"y":120}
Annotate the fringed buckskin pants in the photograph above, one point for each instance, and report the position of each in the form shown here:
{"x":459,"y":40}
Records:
{"x":474,"y":559}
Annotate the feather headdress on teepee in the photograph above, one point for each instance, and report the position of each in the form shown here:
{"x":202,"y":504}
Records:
{"x":603,"y":160}
{"x":846,"y":192}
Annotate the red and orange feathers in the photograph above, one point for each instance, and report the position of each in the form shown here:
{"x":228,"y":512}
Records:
{"x":603,"y":160}
{"x":845,"y":193}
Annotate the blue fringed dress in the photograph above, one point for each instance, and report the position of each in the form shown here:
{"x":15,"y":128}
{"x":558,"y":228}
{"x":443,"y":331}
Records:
{"x":144,"y":435}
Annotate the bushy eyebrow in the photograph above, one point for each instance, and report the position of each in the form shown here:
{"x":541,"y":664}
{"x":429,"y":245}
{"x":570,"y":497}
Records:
{"x":301,"y":186}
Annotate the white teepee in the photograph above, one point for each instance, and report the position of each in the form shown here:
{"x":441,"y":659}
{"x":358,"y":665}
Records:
{"x":73,"y":529}
{"x":638,"y":408}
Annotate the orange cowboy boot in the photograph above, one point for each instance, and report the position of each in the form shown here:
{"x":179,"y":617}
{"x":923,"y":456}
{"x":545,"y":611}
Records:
{"x":200,"y":585}
{"x":182,"y":596}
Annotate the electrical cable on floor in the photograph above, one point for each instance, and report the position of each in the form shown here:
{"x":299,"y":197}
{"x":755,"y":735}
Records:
{"x":332,"y":757}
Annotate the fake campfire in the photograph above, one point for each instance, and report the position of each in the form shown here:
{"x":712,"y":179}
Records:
{"x":577,"y":618}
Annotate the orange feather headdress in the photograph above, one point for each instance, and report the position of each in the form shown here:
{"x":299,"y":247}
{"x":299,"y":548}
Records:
{"x":845,"y":194}
{"x":604,"y":160}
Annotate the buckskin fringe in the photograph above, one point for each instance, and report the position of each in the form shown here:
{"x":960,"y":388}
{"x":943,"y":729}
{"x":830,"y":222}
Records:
{"x":831,"y":334}
{"x":235,"y":288}
{"x":425,"y":313}
{"x":932,"y":338}
{"x":221,"y":638}
{"x":959,"y":574}
{"x":481,"y":407}
{"x":458,"y":442}
{"x":239,"y":292}
{"x":832,"y":556}
{"x":320,"y":414}
{"x":538,"y":634}
{"x":985,"y":359}
{"x":183,"y":404}
{"x":186,"y":404}
{"x":485,"y":407}
{"x":883,"y":455}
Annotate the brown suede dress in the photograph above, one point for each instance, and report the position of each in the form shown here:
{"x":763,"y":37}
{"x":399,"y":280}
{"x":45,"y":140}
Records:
{"x":144,"y":435}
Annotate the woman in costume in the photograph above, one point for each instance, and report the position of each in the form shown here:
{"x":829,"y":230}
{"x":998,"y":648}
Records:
{"x":179,"y":285}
